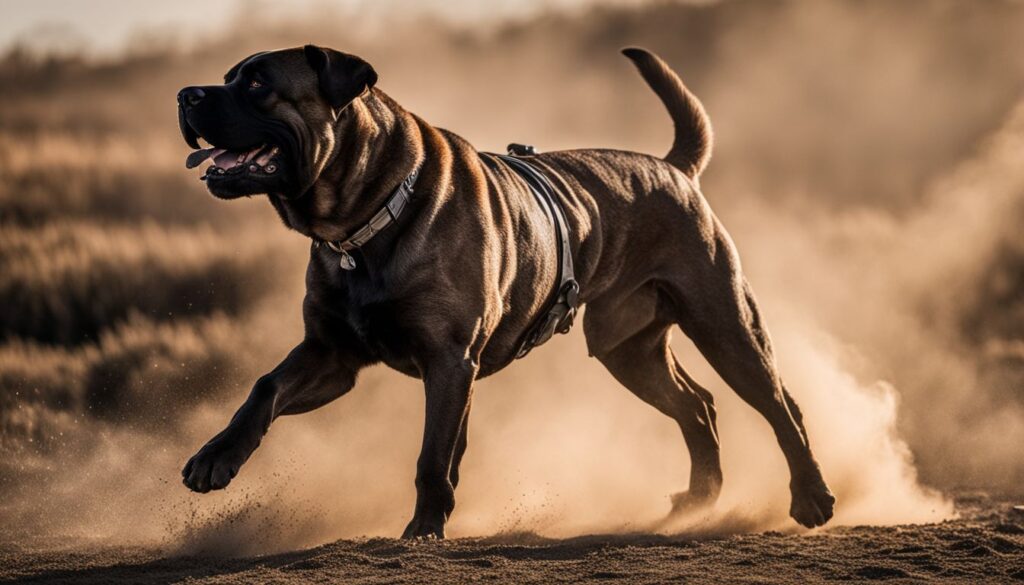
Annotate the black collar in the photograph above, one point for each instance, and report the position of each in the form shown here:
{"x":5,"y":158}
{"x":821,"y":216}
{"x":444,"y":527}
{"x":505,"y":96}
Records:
{"x":386,"y":216}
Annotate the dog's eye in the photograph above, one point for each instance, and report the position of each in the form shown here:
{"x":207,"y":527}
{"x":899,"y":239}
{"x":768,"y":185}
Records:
{"x":255,"y":84}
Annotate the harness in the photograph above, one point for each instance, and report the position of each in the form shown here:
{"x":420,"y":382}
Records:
{"x":564,"y":299}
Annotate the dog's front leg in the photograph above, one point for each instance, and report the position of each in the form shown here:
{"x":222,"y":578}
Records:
{"x":312,"y":375}
{"x":449,"y":386}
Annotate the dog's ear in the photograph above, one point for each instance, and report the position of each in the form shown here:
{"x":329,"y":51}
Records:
{"x":342,"y":77}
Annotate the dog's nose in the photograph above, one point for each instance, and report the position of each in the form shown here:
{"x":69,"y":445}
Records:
{"x":191,"y":96}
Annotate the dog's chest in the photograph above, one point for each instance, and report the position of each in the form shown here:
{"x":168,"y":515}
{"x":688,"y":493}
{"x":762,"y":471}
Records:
{"x":376,"y":325}
{"x":376,"y":319}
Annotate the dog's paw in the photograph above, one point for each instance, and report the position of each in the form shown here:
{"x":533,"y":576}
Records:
{"x":215,"y":465}
{"x":423,"y":529}
{"x":813,"y":503}
{"x":689,"y":502}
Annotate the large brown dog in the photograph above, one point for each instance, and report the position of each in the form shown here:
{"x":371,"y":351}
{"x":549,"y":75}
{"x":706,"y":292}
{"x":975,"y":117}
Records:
{"x":448,"y":290}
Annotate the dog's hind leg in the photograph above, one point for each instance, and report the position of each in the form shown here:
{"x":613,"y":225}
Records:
{"x":630,"y":336}
{"x":716,"y":309}
{"x":312,"y":375}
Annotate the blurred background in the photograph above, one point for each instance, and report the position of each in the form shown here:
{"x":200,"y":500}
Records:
{"x":867,"y":163}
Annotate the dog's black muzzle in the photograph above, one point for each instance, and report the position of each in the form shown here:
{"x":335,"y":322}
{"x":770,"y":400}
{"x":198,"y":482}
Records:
{"x":251,"y":152}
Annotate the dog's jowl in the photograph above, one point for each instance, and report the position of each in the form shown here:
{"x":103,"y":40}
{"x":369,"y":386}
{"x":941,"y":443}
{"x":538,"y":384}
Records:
{"x":376,"y":188}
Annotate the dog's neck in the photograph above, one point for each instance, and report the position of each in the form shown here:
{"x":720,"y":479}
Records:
{"x":377,"y":145}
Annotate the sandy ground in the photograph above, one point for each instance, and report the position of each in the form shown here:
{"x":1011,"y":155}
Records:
{"x":986,"y":544}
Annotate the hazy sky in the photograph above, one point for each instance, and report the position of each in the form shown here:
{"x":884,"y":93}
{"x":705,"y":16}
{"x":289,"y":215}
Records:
{"x":106,"y":25}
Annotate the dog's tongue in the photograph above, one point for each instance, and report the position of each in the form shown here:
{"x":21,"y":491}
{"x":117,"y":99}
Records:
{"x":198,"y":157}
{"x":222,"y":157}
{"x":227,"y":159}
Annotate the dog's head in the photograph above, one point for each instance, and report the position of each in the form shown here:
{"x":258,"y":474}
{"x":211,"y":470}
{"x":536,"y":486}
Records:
{"x":270,"y":128}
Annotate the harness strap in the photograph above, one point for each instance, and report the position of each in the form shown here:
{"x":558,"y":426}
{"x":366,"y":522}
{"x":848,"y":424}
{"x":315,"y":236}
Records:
{"x":564,"y":301}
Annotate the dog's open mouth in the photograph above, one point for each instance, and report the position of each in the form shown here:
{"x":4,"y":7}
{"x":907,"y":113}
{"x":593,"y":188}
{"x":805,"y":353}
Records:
{"x":261,"y":160}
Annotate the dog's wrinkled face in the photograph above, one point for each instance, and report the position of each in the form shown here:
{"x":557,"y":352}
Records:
{"x":271,"y":127}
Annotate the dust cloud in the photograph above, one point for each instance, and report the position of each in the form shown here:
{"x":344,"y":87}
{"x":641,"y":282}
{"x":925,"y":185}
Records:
{"x":865,"y":165}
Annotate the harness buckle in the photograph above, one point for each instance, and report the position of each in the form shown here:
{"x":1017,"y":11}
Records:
{"x":516,"y":149}
{"x":571,"y":294}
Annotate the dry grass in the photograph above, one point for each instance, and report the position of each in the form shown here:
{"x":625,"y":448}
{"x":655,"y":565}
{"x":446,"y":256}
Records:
{"x":141,"y":372}
{"x":66,"y":283}
{"x":126,"y":289}
{"x":55,"y":176}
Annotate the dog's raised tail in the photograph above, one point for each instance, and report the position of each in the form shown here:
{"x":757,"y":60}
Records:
{"x":691,"y":149}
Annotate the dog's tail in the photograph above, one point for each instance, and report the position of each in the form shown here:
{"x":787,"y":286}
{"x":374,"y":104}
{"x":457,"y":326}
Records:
{"x":691,"y":149}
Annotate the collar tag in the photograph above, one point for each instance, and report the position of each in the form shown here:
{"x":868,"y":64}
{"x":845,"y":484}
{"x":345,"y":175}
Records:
{"x":347,"y":262}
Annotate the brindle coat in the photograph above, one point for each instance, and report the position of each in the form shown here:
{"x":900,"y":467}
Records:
{"x":447,"y":293}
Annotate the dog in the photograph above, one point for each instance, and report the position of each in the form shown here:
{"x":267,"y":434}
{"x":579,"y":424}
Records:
{"x":446,"y":289}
